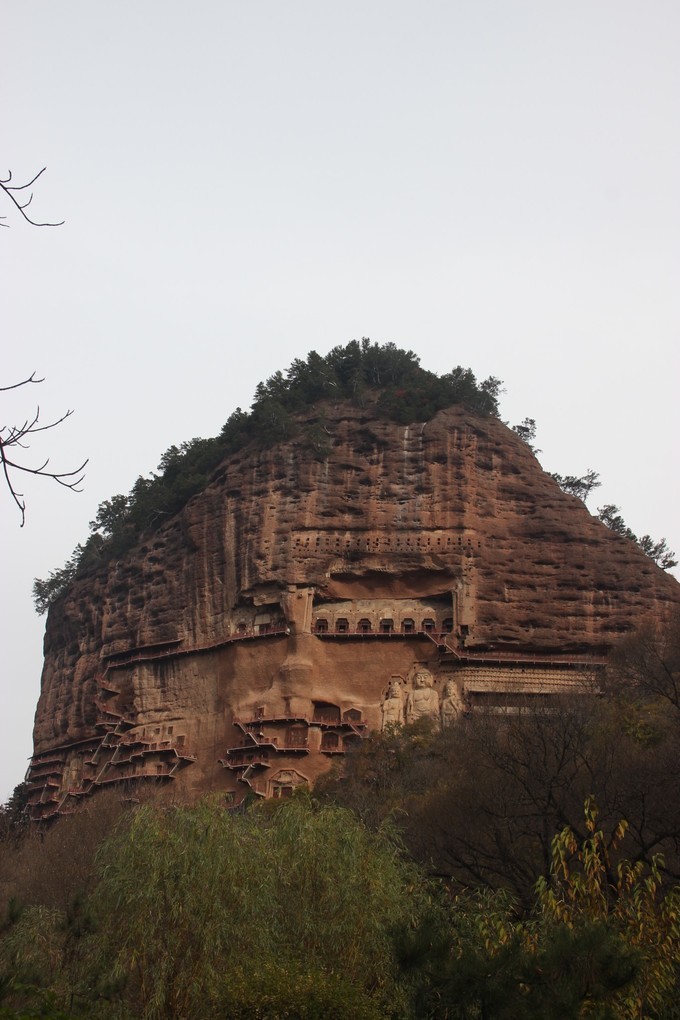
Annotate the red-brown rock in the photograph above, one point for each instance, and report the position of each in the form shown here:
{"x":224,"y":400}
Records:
{"x":254,"y":604}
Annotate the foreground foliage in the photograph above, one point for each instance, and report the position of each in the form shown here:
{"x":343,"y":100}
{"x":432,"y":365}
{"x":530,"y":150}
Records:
{"x":298,"y":893}
{"x":313,"y":908}
{"x":510,"y":902}
{"x":480,"y":804}
{"x":200,"y":913}
{"x":302,"y":912}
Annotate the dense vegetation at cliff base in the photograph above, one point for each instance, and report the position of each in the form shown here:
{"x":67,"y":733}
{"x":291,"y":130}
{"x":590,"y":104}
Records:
{"x":504,"y":868}
{"x":303,"y":912}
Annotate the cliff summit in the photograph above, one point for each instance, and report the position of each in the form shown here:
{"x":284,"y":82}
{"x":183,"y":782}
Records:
{"x":358,"y":572}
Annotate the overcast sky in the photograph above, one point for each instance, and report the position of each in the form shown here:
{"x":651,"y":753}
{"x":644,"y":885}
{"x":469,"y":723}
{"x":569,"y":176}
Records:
{"x":493,"y":184}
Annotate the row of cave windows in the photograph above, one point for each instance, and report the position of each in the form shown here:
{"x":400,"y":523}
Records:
{"x":260,"y":628}
{"x":387,"y":542}
{"x":324,"y":712}
{"x":385,"y":626}
{"x":332,"y":741}
{"x":329,"y":742}
{"x":364,"y":626}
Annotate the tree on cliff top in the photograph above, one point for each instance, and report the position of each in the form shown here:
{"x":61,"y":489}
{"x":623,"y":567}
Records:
{"x":582,"y":486}
{"x":390,"y":378}
{"x":659,"y":551}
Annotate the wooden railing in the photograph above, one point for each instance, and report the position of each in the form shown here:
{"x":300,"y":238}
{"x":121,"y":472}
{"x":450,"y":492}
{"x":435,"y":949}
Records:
{"x":503,"y":658}
{"x":123,"y":660}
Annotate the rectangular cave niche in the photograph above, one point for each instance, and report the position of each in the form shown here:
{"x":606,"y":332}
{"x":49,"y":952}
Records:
{"x":325,"y":712}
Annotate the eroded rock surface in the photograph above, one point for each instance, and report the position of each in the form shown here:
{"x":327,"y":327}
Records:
{"x":259,"y":631}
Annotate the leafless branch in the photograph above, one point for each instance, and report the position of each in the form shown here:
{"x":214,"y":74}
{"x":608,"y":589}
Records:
{"x":22,"y":206}
{"x":14,"y":437}
{"x":24,"y":382}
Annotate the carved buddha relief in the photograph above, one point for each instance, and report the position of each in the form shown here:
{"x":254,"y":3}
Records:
{"x":422,"y":701}
{"x":393,"y":705}
{"x":451,"y":704}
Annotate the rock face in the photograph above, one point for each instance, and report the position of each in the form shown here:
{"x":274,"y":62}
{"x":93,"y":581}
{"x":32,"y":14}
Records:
{"x":306,"y":597}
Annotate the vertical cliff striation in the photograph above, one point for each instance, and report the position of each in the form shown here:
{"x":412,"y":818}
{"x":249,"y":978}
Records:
{"x":306,"y":595}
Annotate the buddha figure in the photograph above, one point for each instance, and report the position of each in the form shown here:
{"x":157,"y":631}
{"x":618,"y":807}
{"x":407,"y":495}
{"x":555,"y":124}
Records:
{"x":450,"y":705}
{"x":393,"y":707}
{"x":422,"y":702}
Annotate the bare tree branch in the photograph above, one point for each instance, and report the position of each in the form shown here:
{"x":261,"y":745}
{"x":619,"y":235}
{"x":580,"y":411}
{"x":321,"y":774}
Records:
{"x":9,"y":189}
{"x":14,"y":437}
{"x":24,"y":382}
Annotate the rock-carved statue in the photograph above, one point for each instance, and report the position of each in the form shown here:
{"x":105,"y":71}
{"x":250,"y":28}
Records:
{"x":422,"y":701}
{"x":450,"y":705}
{"x":393,"y":706}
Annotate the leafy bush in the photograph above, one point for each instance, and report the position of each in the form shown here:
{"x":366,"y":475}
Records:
{"x":203,"y":910}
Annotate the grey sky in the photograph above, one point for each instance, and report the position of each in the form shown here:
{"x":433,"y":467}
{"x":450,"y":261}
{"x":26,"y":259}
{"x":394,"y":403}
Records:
{"x":492,"y":184}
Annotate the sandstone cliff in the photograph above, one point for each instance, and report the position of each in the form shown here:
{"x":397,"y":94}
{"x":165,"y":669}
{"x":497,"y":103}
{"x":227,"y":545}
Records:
{"x":260,"y":630}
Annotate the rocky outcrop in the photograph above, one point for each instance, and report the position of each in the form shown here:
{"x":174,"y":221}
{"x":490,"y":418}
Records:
{"x":258,"y":631}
